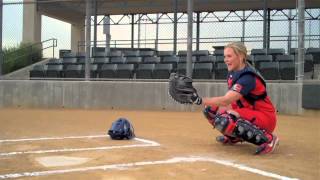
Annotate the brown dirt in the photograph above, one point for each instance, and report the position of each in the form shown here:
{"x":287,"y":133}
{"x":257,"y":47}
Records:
{"x":181,"y":134}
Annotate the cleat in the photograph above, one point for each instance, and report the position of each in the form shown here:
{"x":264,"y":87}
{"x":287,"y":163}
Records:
{"x":269,"y":147}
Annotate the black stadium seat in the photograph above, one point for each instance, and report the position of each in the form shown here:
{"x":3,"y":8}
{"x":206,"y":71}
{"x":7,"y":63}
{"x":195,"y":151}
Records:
{"x":144,"y":71}
{"x":54,"y":71}
{"x":255,"y":52}
{"x":171,"y":60}
{"x":134,"y":60}
{"x":125,"y":71}
{"x":147,"y":53}
{"x":182,"y":68}
{"x":100,"y":61}
{"x":165,"y":53}
{"x":287,"y":70}
{"x":258,"y":59}
{"x":73,"y":71}
{"x":270,"y":70}
{"x":38,"y":71}
{"x":162,"y":71}
{"x":315,"y":52}
{"x":107,"y":71}
{"x":221,"y":71}
{"x":152,"y":60}
{"x":284,"y":58}
{"x":54,"y":62}
{"x":206,"y":59}
{"x":202,"y":70}
{"x":275,"y":52}
{"x":118,"y":60}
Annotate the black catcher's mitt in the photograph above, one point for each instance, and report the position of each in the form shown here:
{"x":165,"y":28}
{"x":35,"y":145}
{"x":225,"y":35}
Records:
{"x":182,"y":90}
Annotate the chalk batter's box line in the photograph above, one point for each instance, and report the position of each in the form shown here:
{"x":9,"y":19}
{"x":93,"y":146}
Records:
{"x":147,"y":143}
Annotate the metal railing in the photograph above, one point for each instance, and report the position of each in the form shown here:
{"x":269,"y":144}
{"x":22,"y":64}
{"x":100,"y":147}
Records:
{"x":286,"y":42}
{"x":25,"y":54}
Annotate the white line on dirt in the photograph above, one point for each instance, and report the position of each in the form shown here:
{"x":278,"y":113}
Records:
{"x":145,"y":163}
{"x":147,"y":143}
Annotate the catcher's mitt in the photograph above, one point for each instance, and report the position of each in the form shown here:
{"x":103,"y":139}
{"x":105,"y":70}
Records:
{"x":182,"y":90}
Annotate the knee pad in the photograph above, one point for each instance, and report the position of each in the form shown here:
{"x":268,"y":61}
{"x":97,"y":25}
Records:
{"x":249,"y":132}
{"x":225,"y":123}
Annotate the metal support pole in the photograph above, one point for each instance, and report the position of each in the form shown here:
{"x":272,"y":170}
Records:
{"x":175,"y":19}
{"x":300,"y":62}
{"x":189,"y":39}
{"x":265,"y":24}
{"x":1,"y":55}
{"x":88,"y":36}
{"x":243,"y":26}
{"x":139,"y":30}
{"x":198,"y":31}
{"x":157,"y":33}
{"x":290,"y":32}
{"x":132,"y":30}
{"x":95,"y":27}
{"x":268,"y":31}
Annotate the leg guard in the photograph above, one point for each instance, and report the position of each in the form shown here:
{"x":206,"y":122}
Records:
{"x":229,"y":125}
{"x":249,"y":132}
{"x":210,"y":114}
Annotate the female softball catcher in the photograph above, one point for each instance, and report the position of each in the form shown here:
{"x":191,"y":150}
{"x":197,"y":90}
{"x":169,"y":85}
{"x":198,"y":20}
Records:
{"x":245,"y":112}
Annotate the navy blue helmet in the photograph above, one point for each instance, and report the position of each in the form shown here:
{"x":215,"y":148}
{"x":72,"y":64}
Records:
{"x":121,"y":129}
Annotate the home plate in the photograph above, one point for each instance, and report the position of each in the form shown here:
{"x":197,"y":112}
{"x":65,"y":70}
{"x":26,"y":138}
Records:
{"x":54,"y":161}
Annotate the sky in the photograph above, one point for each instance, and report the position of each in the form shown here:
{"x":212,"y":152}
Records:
{"x":52,"y":28}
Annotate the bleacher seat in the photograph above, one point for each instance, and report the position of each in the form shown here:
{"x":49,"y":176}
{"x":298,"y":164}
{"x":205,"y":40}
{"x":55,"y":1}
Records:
{"x":308,"y":63}
{"x":200,"y":53}
{"x":218,"y":52}
{"x":100,"y":61}
{"x":221,"y":71}
{"x":182,"y":53}
{"x":82,"y":61}
{"x":54,"y":62}
{"x":182,"y":68}
{"x":38,"y":71}
{"x":275,"y":52}
{"x":258,"y":59}
{"x":287,"y":70}
{"x":152,"y":60}
{"x":219,"y":59}
{"x":183,"y":59}
{"x":134,"y":60}
{"x":255,"y":52}
{"x":165,"y":53}
{"x":284,"y":58}
{"x":125,"y":71}
{"x":144,"y":71}
{"x":115,"y":53}
{"x":269,"y":70}
{"x":202,"y":71}
{"x":171,"y":60}
{"x":100,"y":54}
{"x":147,"y":53}
{"x":315,"y":52}
{"x":73,"y":71}
{"x":206,"y":59}
{"x":162,"y":71}
{"x":118,"y":60}
{"x":69,"y":55}
{"x":54,"y":71}
{"x":107,"y":71}
{"x":131,"y":53}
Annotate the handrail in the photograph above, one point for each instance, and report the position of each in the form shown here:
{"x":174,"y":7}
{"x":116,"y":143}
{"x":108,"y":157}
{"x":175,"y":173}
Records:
{"x":26,"y":54}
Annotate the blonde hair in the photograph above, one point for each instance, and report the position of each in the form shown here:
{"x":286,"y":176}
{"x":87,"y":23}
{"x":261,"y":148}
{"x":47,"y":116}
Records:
{"x":239,"y":49}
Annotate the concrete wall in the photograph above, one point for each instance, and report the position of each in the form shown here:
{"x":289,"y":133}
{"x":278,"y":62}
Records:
{"x":125,"y":95}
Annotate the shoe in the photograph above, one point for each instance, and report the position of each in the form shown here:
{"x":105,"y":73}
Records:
{"x":227,"y":140}
{"x":269,"y":147}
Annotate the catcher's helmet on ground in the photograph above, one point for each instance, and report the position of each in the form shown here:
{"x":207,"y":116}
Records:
{"x":121,"y":129}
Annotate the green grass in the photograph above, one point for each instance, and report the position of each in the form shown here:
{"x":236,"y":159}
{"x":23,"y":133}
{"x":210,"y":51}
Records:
{"x":20,"y":56}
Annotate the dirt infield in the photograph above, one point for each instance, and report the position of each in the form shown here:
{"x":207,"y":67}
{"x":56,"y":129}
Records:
{"x":171,"y":145}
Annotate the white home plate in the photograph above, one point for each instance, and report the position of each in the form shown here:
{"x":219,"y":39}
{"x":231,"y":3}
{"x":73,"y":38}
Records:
{"x":53,"y":161}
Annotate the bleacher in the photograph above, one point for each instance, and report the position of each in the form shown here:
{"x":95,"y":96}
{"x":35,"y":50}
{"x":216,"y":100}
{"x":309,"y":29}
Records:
{"x":273,"y":64}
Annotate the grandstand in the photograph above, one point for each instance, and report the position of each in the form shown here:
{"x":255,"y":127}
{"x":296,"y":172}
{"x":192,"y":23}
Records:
{"x":280,"y":58}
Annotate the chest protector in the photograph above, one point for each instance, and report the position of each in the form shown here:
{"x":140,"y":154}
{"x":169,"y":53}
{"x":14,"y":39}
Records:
{"x":251,"y":98}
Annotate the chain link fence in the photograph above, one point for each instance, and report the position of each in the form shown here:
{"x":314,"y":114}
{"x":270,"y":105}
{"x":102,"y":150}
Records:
{"x":154,"y":31}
